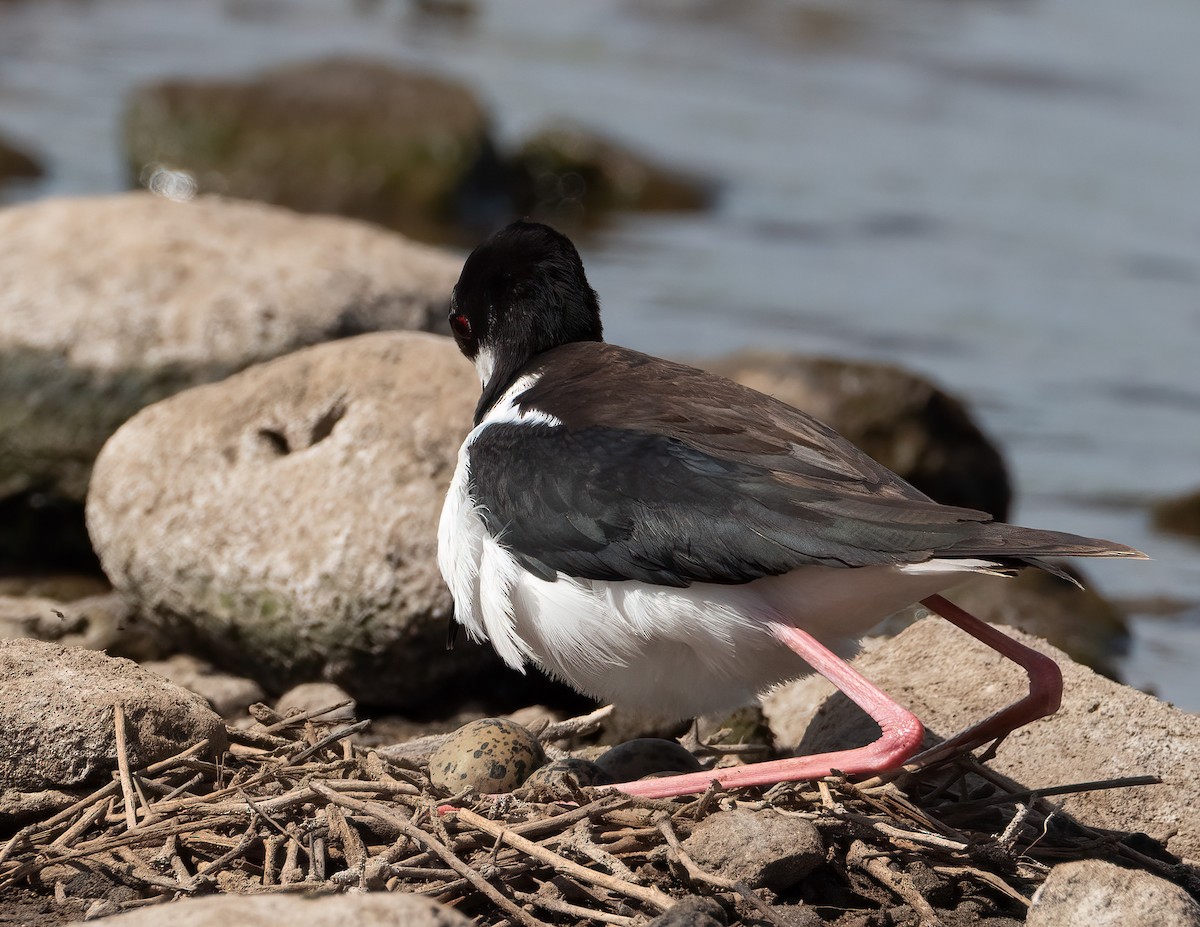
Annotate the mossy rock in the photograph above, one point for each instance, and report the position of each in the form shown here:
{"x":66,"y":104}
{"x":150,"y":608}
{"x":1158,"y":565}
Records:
{"x":408,"y":150}
{"x":569,"y":174}
{"x":1179,"y":515}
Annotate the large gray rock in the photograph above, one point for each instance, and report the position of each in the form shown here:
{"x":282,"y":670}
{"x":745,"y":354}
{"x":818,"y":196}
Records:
{"x":1093,"y":893}
{"x":56,"y":712}
{"x":408,"y":150}
{"x":901,"y":419}
{"x":377,"y":909}
{"x":1104,"y":730}
{"x":285,"y":520}
{"x":16,"y":163}
{"x":111,"y":303}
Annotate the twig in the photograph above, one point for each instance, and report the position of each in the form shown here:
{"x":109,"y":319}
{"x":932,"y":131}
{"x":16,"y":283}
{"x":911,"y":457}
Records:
{"x":575,"y":727}
{"x":900,"y":883}
{"x":989,"y":878}
{"x":1098,"y":785}
{"x":127,"y":792}
{"x":559,"y":906}
{"x":301,"y":717}
{"x":649,"y":895}
{"x":332,"y":737}
{"x":430,"y":842}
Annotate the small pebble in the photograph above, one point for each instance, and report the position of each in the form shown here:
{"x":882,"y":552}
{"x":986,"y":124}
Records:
{"x":491,"y":755}
{"x":311,"y":696}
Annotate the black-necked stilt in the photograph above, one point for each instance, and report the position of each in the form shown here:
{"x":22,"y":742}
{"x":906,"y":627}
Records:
{"x":668,"y":540}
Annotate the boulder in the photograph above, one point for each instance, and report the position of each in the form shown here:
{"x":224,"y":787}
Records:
{"x":17,"y":164}
{"x":1093,"y":893}
{"x":375,"y":909}
{"x":56,"y":711}
{"x":111,"y":303}
{"x":1103,"y":730}
{"x":408,"y":150}
{"x":569,"y":174}
{"x":284,"y":521}
{"x":901,"y":419}
{"x":1179,"y":514}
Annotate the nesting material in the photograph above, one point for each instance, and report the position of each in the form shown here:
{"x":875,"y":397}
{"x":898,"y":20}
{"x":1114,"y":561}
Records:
{"x":296,"y":806}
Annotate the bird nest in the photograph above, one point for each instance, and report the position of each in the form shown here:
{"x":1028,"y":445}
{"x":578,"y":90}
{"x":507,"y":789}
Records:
{"x":296,"y":806}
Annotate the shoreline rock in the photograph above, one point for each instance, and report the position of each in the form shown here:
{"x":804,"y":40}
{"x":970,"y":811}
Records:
{"x":57,"y":714}
{"x":112,"y":303}
{"x":1103,"y":730}
{"x":283,"y":522}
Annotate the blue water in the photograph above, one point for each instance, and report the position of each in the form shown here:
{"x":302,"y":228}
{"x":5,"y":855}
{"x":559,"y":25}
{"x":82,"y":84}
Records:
{"x":1004,"y":196}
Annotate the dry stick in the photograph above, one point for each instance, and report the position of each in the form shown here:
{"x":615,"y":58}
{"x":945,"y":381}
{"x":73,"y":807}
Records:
{"x":575,"y":727}
{"x":270,"y":851}
{"x":293,"y":720}
{"x":139,"y":869}
{"x":880,"y":869}
{"x":353,"y":847}
{"x":430,"y":842}
{"x":649,"y":895}
{"x":171,"y":851}
{"x":580,"y":840}
{"x":112,"y":787}
{"x":1095,"y":786}
{"x":123,"y":768}
{"x":989,"y":878}
{"x":17,"y":839}
{"x":893,"y":832}
{"x":291,"y":864}
{"x":332,"y":737}
{"x":86,"y":820}
{"x":558,"y":906}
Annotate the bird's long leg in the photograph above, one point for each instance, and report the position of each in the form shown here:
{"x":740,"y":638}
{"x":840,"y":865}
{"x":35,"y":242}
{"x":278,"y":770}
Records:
{"x":901,"y":737}
{"x":1045,"y":685}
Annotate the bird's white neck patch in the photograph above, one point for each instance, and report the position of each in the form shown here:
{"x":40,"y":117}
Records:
{"x":507,"y":412}
{"x":485,"y":365}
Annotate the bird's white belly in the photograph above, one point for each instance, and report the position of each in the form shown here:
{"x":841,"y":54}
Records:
{"x":662,"y":651}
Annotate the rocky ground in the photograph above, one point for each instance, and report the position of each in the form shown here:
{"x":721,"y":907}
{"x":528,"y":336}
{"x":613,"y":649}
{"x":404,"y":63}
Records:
{"x":254,"y":412}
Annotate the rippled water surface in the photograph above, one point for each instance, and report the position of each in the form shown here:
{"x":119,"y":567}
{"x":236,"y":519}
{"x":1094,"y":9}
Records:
{"x":1004,"y":196}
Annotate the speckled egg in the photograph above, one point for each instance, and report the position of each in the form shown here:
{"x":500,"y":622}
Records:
{"x":568,"y":773}
{"x":490,"y":755}
{"x":645,"y":757}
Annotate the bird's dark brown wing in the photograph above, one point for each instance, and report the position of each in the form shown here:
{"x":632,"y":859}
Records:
{"x":666,"y":474}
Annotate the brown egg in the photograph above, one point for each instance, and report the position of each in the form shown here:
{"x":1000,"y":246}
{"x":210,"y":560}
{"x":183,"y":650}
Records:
{"x":490,"y":755}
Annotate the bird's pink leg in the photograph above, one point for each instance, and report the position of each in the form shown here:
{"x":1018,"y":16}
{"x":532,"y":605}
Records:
{"x":1045,"y":685}
{"x":902,"y":734}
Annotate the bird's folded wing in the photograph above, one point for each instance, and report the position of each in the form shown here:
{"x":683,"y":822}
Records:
{"x":603,"y":502}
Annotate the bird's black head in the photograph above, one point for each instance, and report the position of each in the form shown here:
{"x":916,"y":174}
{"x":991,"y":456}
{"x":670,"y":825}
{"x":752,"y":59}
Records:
{"x":521,"y":292}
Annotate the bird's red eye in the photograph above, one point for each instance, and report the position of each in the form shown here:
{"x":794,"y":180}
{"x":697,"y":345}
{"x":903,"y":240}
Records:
{"x":461,"y":326}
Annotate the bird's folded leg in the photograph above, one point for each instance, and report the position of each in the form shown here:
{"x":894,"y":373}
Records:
{"x":1045,"y":685}
{"x":901,"y":737}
